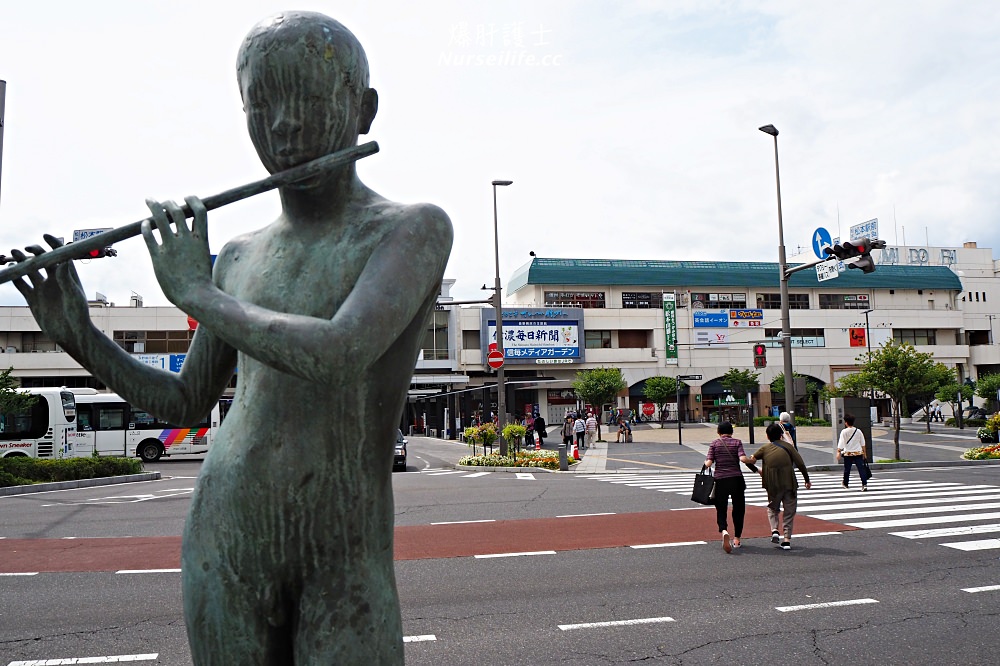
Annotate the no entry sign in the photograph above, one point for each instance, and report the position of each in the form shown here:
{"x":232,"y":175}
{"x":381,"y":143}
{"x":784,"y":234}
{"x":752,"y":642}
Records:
{"x":495,"y":359}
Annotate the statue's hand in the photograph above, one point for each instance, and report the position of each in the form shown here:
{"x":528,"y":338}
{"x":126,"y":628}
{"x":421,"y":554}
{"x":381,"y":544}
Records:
{"x":181,"y":258}
{"x":56,"y":300}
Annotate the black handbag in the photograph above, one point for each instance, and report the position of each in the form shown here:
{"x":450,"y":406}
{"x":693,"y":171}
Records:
{"x":866,"y":471}
{"x":704,"y":487}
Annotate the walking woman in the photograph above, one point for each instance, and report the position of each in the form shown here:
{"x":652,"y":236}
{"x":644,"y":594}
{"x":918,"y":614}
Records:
{"x":726,"y":453}
{"x":778,"y":476}
{"x":851,"y":446}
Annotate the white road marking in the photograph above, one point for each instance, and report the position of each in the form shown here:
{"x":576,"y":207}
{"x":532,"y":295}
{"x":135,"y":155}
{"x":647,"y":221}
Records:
{"x":906,"y":522}
{"x":475,"y":474}
{"x":463,"y":522}
{"x":525,"y":476}
{"x":26,"y":573}
{"x":828,"y":604}
{"x":616,"y":623}
{"x":987,"y":588}
{"x":982,"y":544}
{"x":948,"y":531}
{"x":419,"y":639}
{"x":144,"y":571}
{"x":667,"y":545}
{"x":454,"y":471}
{"x":87,"y":660}
{"x":811,"y":534}
{"x":876,"y":502}
{"x":581,"y":515}
{"x":904,"y":512}
{"x":537,"y":552}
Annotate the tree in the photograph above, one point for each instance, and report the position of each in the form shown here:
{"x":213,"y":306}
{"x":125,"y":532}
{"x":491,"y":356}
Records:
{"x":740,"y":382}
{"x":661,"y":390}
{"x":599,"y":386}
{"x":855,"y":385}
{"x":899,"y":370}
{"x":13,"y":401}
{"x":812,"y":389}
{"x":986,"y":388}
{"x":949,"y":394}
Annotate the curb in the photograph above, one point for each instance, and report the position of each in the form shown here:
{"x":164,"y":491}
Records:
{"x":79,"y":483}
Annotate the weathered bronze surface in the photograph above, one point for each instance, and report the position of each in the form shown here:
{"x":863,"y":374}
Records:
{"x":287,"y":554}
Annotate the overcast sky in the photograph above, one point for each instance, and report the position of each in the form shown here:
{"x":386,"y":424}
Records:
{"x":629,"y":128}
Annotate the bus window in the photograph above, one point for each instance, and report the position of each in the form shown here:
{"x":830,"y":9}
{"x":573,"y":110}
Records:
{"x":68,"y":405}
{"x":31,"y":424}
{"x":141,"y":420}
{"x":110,"y":417}
{"x":84,"y":416}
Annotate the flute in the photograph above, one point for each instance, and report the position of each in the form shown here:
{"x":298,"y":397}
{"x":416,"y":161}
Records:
{"x":81,"y":249}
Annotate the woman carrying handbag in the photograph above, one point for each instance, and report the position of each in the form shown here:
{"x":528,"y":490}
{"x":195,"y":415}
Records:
{"x":726,"y":453}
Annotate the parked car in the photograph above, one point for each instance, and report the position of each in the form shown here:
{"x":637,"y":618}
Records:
{"x":399,"y":457}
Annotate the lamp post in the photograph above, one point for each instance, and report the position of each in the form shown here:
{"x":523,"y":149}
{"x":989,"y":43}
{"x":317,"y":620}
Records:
{"x":868,"y":336}
{"x":786,"y":325}
{"x":498,"y":313}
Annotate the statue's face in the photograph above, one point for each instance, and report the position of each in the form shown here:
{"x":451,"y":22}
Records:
{"x":297,"y":105}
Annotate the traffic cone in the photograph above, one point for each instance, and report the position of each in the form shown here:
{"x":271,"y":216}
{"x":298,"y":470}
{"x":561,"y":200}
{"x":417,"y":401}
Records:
{"x":576,"y":452}
{"x":538,"y":442}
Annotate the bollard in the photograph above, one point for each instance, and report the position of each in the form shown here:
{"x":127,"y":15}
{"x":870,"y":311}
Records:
{"x":563,"y":459}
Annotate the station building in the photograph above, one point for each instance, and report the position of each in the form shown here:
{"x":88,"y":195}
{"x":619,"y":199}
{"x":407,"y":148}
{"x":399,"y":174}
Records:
{"x":646,"y":317}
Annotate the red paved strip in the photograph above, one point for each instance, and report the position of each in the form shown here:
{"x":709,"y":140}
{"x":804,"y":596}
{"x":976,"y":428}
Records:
{"x":580,"y":533}
{"x":416,"y":542}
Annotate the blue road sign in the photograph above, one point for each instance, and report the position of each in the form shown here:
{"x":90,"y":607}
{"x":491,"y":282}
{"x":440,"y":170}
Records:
{"x":821,"y":239}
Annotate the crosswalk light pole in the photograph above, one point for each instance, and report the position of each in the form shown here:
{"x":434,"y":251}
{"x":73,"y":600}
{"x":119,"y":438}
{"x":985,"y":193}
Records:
{"x":498,"y":313}
{"x":786,"y":326}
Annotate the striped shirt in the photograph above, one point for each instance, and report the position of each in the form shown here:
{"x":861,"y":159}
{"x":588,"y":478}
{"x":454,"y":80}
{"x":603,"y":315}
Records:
{"x":725,"y":452}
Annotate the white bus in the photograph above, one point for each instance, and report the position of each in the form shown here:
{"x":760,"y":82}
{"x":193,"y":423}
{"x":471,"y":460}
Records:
{"x":106,"y":423}
{"x":46,"y":430}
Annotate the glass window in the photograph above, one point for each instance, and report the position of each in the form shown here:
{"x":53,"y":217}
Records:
{"x":597,"y":339}
{"x":146,"y":421}
{"x":642,"y":299}
{"x":773,"y":301}
{"x":576,"y":299}
{"x":915,"y":336}
{"x":843,"y":302}
{"x":30,"y":424}
{"x":435,"y":344}
{"x":801,"y":337}
{"x":110,"y":417}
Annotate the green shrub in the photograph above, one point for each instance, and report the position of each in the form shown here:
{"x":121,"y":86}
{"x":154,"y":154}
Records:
{"x":21,"y":470}
{"x":543,"y":458}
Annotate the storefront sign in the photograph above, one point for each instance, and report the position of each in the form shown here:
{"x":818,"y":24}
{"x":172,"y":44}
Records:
{"x":745,"y":318}
{"x":530,"y":334}
{"x":718,"y":339}
{"x":711,"y":319}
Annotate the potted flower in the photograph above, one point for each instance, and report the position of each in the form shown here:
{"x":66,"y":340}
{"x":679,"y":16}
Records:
{"x":988,"y":433}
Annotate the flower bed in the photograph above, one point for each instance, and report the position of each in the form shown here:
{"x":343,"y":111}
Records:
{"x":983,"y":452}
{"x":543,"y":458}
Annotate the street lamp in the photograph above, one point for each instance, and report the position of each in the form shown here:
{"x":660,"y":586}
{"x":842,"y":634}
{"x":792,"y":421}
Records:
{"x":498,"y":313}
{"x":868,"y":335}
{"x":786,"y":325}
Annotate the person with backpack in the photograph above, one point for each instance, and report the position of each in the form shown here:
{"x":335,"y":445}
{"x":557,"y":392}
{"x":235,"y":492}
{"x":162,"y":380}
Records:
{"x":580,"y":430}
{"x":778,"y":479}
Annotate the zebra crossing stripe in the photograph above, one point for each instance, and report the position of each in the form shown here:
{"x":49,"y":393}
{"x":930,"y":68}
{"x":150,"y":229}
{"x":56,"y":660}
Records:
{"x":948,"y":532}
{"x":905,"y":512}
{"x":906,"y":522}
{"x":902,"y":502}
{"x":475,"y":474}
{"x":983,"y":544}
{"x":987,"y":588}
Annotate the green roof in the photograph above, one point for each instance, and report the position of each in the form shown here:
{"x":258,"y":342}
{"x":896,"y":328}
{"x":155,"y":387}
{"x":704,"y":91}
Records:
{"x":687,"y":274}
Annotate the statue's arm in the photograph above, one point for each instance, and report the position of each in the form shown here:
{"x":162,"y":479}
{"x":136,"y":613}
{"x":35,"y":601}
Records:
{"x":402,"y":274}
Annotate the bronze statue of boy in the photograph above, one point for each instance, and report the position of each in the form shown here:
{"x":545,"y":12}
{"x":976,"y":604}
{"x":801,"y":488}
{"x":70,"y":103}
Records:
{"x":287,"y":554}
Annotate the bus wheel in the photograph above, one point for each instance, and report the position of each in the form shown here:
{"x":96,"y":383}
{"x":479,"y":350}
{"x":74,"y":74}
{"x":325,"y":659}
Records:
{"x":150,"y":450}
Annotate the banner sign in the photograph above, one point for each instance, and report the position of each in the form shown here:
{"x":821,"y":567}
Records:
{"x":745,"y":318}
{"x":533,"y":334}
{"x":869,"y":229}
{"x":711,"y":339}
{"x":670,"y":326}
{"x":711,"y":319}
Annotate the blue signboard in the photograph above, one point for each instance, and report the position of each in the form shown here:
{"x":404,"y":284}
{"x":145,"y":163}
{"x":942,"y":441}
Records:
{"x":534,"y":334}
{"x":176,"y":361}
{"x":821,"y":238}
{"x":710,"y":319}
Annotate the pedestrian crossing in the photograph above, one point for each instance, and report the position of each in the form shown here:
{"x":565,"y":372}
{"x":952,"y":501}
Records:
{"x":955,"y":515}
{"x":466,"y":474}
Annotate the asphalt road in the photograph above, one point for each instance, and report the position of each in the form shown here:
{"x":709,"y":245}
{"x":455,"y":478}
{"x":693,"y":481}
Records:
{"x":545,"y":583}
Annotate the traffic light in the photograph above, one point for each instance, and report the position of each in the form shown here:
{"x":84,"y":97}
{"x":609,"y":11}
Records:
{"x":861,"y":249}
{"x":101,"y":252}
{"x":759,"y":356}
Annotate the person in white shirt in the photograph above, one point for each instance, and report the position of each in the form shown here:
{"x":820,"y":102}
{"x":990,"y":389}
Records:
{"x":851,"y":448}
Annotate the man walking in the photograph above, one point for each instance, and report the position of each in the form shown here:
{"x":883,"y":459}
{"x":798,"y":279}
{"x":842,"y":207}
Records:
{"x":591,"y":428}
{"x":580,"y":428}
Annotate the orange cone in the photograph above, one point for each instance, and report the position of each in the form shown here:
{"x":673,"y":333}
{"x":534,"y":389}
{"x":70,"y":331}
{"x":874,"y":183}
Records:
{"x":576,"y":452}
{"x":538,"y":442}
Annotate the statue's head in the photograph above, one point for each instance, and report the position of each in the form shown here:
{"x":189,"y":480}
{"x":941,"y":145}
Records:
{"x":304,"y":82}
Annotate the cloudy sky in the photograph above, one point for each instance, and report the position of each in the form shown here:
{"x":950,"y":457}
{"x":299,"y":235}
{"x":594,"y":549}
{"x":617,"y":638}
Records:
{"x":628,"y":128}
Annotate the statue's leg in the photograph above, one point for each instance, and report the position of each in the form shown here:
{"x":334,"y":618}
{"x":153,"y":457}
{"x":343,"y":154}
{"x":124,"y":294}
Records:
{"x":342,"y":623}
{"x":232,"y":616}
